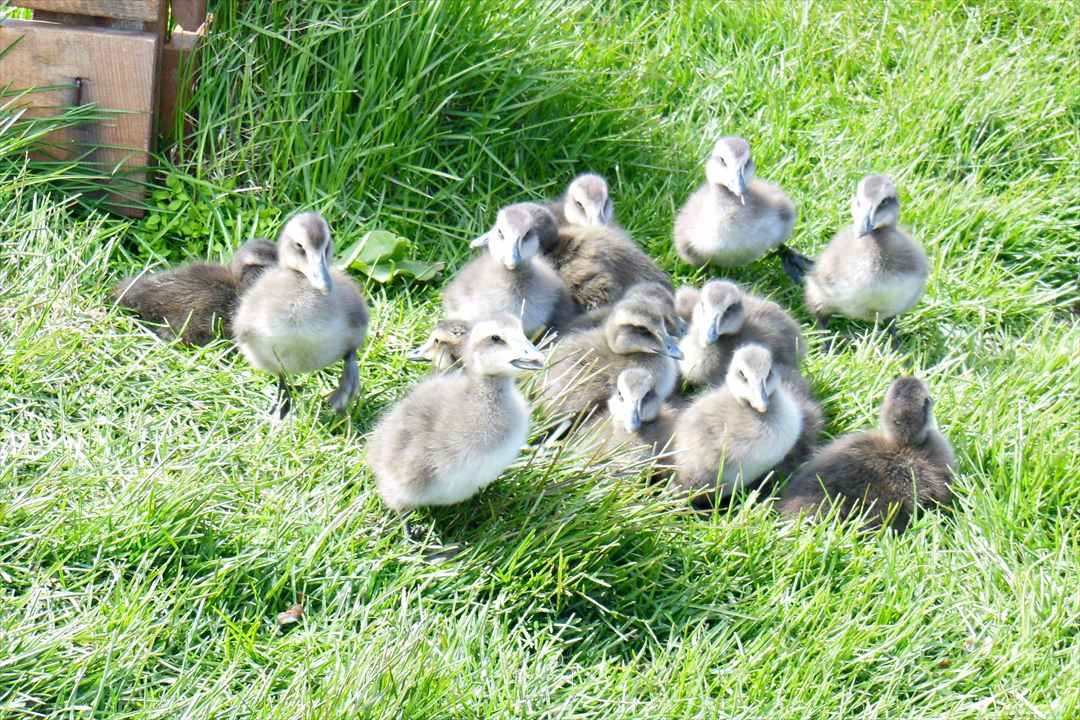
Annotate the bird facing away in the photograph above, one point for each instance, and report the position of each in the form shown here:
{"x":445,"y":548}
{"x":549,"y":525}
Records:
{"x":455,"y":433}
{"x":872,"y":269}
{"x":444,"y":347}
{"x":653,"y":292}
{"x":196,"y":301}
{"x":734,"y":218}
{"x":730,"y":437}
{"x":587,"y":201}
{"x":583,"y":366}
{"x":725,"y":318}
{"x":302,"y":315}
{"x":509,"y":278}
{"x":887,"y":473}
{"x":599,"y":263}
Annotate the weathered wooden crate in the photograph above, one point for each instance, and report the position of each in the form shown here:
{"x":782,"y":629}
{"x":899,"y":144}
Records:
{"x":115,"y":54}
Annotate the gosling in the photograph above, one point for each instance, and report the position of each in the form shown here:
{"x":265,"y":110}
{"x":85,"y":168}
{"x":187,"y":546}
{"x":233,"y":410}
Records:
{"x":734,"y":218}
{"x":887,"y":473}
{"x":729,"y":438}
{"x":872,"y":270}
{"x":599,"y":263}
{"x":444,"y":347}
{"x":587,"y":201}
{"x":195,"y":301}
{"x":302,"y":315}
{"x":725,"y":318}
{"x":583,"y":366}
{"x":510,"y":277}
{"x":454,"y":434}
{"x":640,"y":420}
{"x":652,"y":292}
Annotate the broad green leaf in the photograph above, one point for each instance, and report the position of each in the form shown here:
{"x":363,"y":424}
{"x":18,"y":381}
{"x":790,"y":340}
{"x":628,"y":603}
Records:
{"x":373,"y":247}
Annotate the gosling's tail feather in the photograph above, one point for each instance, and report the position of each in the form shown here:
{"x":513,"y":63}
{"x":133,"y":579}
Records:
{"x":795,"y":264}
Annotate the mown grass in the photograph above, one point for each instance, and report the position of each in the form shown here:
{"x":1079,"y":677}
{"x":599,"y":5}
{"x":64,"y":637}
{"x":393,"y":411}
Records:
{"x":152,"y":524}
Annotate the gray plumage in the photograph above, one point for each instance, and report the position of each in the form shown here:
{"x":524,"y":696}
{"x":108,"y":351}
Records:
{"x":599,"y":263}
{"x":444,"y":347}
{"x":455,"y":433}
{"x":302,"y":315}
{"x":586,"y":201}
{"x":731,"y":437}
{"x":509,"y":278}
{"x":640,"y":424}
{"x":888,"y":473}
{"x":725,"y":318}
{"x":583,"y":366}
{"x":196,"y":301}
{"x":871,"y":269}
{"x":653,"y":292}
{"x":734,"y":218}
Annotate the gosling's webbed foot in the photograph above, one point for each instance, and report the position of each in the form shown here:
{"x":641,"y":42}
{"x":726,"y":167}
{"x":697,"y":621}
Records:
{"x":348,"y":384}
{"x":282,"y":401}
{"x":794,"y":264}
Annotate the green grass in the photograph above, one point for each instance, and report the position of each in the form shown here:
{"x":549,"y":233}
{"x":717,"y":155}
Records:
{"x":152,"y":524}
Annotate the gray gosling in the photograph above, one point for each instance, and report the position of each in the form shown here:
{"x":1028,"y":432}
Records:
{"x":444,"y":347}
{"x":196,"y":302}
{"x":303,"y":315}
{"x":887,"y":473}
{"x":734,"y":218}
{"x":725,"y":318}
{"x":599,"y":263}
{"x":653,"y":292}
{"x":730,"y":437}
{"x":587,"y":201}
{"x":509,"y":277}
{"x":640,"y":421}
{"x":871,"y":270}
{"x":455,"y":433}
{"x":583,"y":366}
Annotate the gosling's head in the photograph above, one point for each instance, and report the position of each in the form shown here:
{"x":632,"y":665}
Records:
{"x":875,"y":204}
{"x":498,"y":347}
{"x":634,"y":401}
{"x":306,"y":247}
{"x":751,"y":377}
{"x":659,"y":295}
{"x":731,"y":165}
{"x":637,"y":326}
{"x":719,"y":312}
{"x":444,"y":346}
{"x":249,"y":261}
{"x":906,"y":415}
{"x":516,"y":237}
{"x":588,"y":202}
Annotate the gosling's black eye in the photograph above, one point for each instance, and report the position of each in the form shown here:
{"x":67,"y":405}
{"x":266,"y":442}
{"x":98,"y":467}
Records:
{"x":579,"y":205}
{"x":497,"y":339}
{"x":742,"y":375}
{"x":618,"y":394}
{"x":723,"y":162}
{"x":299,"y":247}
{"x":649,"y":395}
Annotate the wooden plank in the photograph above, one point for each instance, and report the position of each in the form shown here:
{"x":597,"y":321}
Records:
{"x":179,"y":74}
{"x":141,"y":10}
{"x":113,"y":69}
{"x":189,"y":14}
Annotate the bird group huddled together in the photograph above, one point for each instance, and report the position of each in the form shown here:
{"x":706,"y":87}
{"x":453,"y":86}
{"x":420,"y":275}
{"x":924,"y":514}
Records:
{"x":700,"y":389}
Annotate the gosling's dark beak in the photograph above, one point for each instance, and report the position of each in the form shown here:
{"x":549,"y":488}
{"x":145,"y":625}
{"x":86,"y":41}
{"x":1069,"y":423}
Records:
{"x":527,"y":364}
{"x":761,"y":404}
{"x":634,"y":423}
{"x":713,"y":333}
{"x":867,"y":225}
{"x":420,"y":354}
{"x":742,"y":181}
{"x":319,"y":276}
{"x":671,"y":348}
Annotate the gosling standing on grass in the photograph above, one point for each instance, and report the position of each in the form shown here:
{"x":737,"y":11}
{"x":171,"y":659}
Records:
{"x":872,"y":270}
{"x":455,"y":433}
{"x":303,"y":315}
{"x":509,"y":277}
{"x":734,"y":218}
